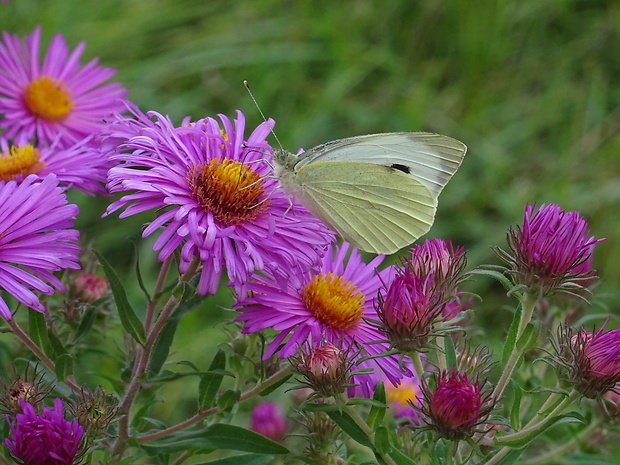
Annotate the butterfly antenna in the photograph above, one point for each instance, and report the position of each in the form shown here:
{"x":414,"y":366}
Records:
{"x":247,"y":87}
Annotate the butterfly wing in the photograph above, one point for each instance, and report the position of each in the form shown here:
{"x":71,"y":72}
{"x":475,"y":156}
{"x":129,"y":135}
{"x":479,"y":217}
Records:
{"x":377,"y":208}
{"x":431,"y":159}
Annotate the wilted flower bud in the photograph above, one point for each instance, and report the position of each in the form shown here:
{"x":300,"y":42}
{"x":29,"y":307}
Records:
{"x":326,"y":369}
{"x":590,"y":360}
{"x":31,"y":388}
{"x":551,"y":251}
{"x":456,"y":407}
{"x":323,"y":435}
{"x":95,"y":411}
{"x":44,"y":439}
{"x":89,"y":287}
{"x":268,"y":420}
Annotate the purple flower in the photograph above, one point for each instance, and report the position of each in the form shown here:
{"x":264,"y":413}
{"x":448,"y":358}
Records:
{"x":215,"y":197}
{"x":329,"y":305}
{"x":409,"y":311}
{"x":551,"y":250}
{"x":35,"y":240}
{"x":56,"y":97}
{"x":268,"y":420}
{"x":46,"y":439}
{"x":400,"y":398}
{"x":592,"y":360}
{"x":81,"y":166}
{"x":456,"y":406}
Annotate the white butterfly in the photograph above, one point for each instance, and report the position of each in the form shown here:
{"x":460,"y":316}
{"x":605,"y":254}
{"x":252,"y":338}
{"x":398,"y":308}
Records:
{"x":379,"y":191}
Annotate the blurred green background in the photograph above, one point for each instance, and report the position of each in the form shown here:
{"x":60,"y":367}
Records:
{"x":530,"y":86}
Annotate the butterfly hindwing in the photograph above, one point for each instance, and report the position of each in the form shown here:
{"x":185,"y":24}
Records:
{"x":378,"y":208}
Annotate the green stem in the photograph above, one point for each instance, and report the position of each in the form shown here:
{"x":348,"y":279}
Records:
{"x":142,"y":358}
{"x":416,"y":360}
{"x":364,"y":426}
{"x":36,"y":350}
{"x":540,"y":420}
{"x":276,"y":377}
{"x":554,"y":454}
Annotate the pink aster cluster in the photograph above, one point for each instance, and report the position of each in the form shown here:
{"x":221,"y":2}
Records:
{"x":215,"y":200}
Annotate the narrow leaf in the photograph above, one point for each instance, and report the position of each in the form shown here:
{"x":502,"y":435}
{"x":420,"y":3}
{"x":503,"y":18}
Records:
{"x":37,"y":330}
{"x":450,"y":352}
{"x":400,"y":458}
{"x":210,"y":383}
{"x":377,"y":412}
{"x":245,"y":459}
{"x":527,"y":339}
{"x":349,"y":426}
{"x":161,"y":349}
{"x":382,"y":440}
{"x":515,"y":411}
{"x":88,"y":319}
{"x":128,"y":317}
{"x":511,"y":337}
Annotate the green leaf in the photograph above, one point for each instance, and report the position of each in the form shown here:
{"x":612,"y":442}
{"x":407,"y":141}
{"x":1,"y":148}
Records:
{"x":568,"y":418}
{"x":37,"y":330}
{"x":377,"y":412}
{"x":210,"y":383}
{"x":382,"y":440}
{"x":88,"y":319}
{"x":246,"y":459}
{"x":450,"y":352}
{"x":64,"y":366}
{"x":349,"y":426}
{"x":510,"y":458}
{"x":129,"y":320}
{"x":511,"y":337}
{"x":228,"y":400}
{"x":269,"y":389}
{"x":515,"y":416}
{"x":161,"y":349}
{"x":400,"y":458}
{"x":215,"y":437}
{"x":528,"y":339}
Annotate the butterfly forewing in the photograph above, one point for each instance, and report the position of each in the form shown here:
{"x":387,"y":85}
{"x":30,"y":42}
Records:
{"x":431,"y":159}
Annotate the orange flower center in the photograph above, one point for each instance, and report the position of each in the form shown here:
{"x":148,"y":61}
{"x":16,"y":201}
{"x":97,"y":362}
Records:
{"x":48,"y":99}
{"x":229,"y":190}
{"x":333,"y":301}
{"x":20,"y":161}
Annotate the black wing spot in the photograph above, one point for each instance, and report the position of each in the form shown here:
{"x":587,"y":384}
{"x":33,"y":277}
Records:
{"x":404,"y":168}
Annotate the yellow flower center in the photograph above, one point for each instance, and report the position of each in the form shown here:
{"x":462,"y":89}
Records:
{"x":399,"y":395}
{"x":333,"y":301}
{"x":228,"y":189}
{"x":48,"y":99}
{"x":19,"y":161}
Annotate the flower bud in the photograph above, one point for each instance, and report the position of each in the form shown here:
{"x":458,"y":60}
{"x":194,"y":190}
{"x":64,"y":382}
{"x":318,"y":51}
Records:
{"x":268,"y":420}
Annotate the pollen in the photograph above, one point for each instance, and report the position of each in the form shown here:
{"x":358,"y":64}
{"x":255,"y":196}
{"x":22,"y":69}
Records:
{"x":333,"y":301}
{"x":48,"y":99}
{"x":19,"y":161}
{"x":229,"y":190}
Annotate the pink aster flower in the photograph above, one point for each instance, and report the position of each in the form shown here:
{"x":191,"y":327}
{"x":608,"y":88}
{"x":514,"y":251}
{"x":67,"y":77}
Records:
{"x":81,"y":166}
{"x":331,"y":304}
{"x":46,"y":439}
{"x":400,"y":398}
{"x":591,"y":360}
{"x":56,"y":97}
{"x":215,"y":197}
{"x":456,"y":407}
{"x":35,"y":240}
{"x":551,"y":251}
{"x":268,"y":420}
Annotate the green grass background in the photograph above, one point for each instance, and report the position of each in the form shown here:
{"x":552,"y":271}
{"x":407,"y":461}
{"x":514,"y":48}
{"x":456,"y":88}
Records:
{"x":530,"y":86}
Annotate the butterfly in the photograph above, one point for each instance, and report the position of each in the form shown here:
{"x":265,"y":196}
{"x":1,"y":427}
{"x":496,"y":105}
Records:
{"x":378,"y":191}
